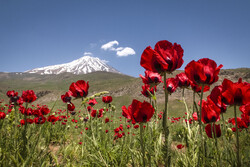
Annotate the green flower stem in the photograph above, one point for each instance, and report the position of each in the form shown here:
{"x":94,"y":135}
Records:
{"x":223,"y":121}
{"x":193,"y":101}
{"x":202,"y":150}
{"x":67,"y":112}
{"x":186,"y":107}
{"x":142,"y":144}
{"x":165,"y":124}
{"x":237,"y":139}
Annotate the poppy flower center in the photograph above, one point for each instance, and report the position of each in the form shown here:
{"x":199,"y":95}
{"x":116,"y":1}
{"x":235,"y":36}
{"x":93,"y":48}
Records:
{"x":157,"y":66}
{"x":170,"y":87}
{"x":67,"y":99}
{"x":196,"y":78}
{"x":208,"y":78}
{"x":238,"y":97}
{"x":156,"y":79}
{"x":144,"y":118}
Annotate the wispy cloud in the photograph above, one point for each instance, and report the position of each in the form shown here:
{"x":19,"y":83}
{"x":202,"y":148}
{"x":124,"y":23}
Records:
{"x":120,"y":51}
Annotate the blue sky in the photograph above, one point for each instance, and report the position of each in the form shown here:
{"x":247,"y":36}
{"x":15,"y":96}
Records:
{"x":47,"y":32}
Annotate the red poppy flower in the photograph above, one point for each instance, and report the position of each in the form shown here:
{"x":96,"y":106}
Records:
{"x":245,"y":118}
{"x":100,"y":113}
{"x":216,"y":131}
{"x":44,"y":110}
{"x":210,"y":112}
{"x":235,"y":93}
{"x":146,"y":89}
{"x":183,"y":80}
{"x":25,"y":111}
{"x":71,"y":106}
{"x":245,"y":109}
{"x":29,"y":96}
{"x":240,"y":122}
{"x":11,"y":93}
{"x":92,"y":102}
{"x":93,"y":113}
{"x":79,"y":89}
{"x":195,"y":116}
{"x":180,"y":146}
{"x":159,"y":116}
{"x":139,"y":112}
{"x":52,"y":118}
{"x":18,"y":100}
{"x":89,"y":108}
{"x":29,"y":121}
{"x":2,"y":115}
{"x":203,"y":72}
{"x":107,"y":99}
{"x":136,"y":126}
{"x":66,"y":97}
{"x":166,"y":57}
{"x":172,"y":84}
{"x":14,"y":98}
{"x":151,"y":78}
{"x":40,"y":120}
{"x":22,"y":122}
{"x":106,"y":120}
{"x":216,"y":97}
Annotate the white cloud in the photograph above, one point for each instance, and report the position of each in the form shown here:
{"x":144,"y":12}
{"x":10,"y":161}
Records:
{"x":87,"y":54}
{"x":125,"y":52}
{"x":120,"y":51}
{"x":110,"y":45}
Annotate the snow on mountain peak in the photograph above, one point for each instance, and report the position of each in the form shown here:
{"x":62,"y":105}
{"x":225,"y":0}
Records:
{"x":83,"y":65}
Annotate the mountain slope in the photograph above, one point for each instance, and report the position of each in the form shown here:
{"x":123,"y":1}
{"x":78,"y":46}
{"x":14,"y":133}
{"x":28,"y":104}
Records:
{"x":122,"y":88}
{"x":84,"y":65}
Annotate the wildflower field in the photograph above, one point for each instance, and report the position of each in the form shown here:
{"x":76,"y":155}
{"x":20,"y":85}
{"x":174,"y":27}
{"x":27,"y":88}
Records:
{"x":89,"y":130}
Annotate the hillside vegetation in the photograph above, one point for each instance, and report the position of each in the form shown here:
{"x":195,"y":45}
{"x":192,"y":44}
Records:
{"x":123,"y":88}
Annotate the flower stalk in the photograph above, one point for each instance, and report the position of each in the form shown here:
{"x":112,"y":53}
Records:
{"x":237,"y":139}
{"x":165,"y":124}
{"x":201,"y":150}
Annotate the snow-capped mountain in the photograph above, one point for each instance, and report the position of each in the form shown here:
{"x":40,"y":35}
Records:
{"x":84,"y":65}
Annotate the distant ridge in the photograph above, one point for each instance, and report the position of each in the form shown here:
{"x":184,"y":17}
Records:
{"x":83,"y":65}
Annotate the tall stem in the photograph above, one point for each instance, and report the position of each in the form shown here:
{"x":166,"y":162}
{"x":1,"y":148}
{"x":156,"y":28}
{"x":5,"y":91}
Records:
{"x":186,"y":107}
{"x":142,"y":144}
{"x":200,"y":125}
{"x":237,"y":138}
{"x":193,"y":101}
{"x":165,"y":124}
